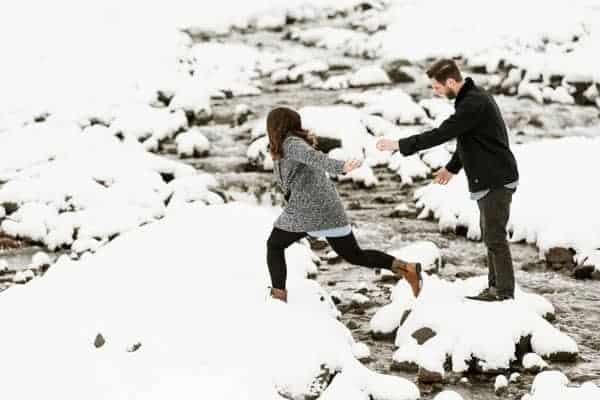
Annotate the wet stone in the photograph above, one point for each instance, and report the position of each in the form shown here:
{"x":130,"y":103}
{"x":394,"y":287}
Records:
{"x":584,"y":271}
{"x":99,"y":341}
{"x":423,"y":335}
{"x":562,"y":356}
{"x":384,"y":336}
{"x":558,"y":258}
{"x":404,"y":366}
{"x":426,"y":376}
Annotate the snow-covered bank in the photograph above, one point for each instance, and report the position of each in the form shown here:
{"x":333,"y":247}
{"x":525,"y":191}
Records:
{"x":180,"y":307}
{"x":67,"y":187}
{"x":554,"y":206}
{"x":442,"y":326}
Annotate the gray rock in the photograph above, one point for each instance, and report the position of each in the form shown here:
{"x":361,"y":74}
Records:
{"x":405,"y":366}
{"x":99,"y":341}
{"x":558,"y":258}
{"x":426,"y":376}
{"x":423,"y":335}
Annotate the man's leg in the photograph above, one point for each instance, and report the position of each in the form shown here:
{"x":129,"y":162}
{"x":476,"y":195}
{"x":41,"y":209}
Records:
{"x":496,"y":211}
{"x":490,"y":258}
{"x":276,"y":245}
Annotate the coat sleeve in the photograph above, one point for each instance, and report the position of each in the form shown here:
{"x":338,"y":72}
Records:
{"x":298,"y":150}
{"x":465,"y":118}
{"x":455,"y":164}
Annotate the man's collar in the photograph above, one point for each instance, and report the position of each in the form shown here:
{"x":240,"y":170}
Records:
{"x":468,"y":85}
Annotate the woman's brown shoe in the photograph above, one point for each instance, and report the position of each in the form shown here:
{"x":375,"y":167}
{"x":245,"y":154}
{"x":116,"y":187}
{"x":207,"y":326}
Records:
{"x":280,"y":294}
{"x":411,"y":272}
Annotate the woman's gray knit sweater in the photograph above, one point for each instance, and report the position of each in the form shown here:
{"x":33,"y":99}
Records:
{"x":314,"y":203}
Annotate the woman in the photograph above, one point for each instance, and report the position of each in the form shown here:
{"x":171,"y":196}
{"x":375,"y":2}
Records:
{"x":313,"y":205}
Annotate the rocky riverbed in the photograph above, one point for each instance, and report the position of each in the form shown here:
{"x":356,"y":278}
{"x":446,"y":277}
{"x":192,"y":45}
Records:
{"x":372,"y":210}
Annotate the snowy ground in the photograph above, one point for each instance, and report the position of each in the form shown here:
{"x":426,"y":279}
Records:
{"x":122,"y":133}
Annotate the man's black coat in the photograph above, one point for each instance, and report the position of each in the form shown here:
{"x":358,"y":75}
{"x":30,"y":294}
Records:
{"x":482,"y":140}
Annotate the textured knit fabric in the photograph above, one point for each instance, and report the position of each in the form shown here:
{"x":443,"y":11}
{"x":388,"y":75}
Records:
{"x":313,"y":202}
{"x":332,"y":232}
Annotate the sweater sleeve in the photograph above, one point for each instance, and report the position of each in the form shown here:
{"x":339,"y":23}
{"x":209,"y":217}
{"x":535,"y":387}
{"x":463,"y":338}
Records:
{"x":455,"y":164}
{"x":465,"y":118}
{"x":298,"y":150}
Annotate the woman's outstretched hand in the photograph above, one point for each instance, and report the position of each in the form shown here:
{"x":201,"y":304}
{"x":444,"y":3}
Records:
{"x":351,"y":165}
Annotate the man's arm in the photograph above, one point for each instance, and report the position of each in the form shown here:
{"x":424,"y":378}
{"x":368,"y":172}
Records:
{"x":462,"y":121}
{"x":455,"y":164}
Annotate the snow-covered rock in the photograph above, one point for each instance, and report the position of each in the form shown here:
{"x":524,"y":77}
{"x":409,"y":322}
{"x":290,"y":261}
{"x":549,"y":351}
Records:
{"x":23,"y":276}
{"x":192,"y":143}
{"x":258,"y":154}
{"x":500,"y":384}
{"x":448,"y":395}
{"x":555,"y":385}
{"x":369,"y":76}
{"x":425,"y":252}
{"x":534,"y":363}
{"x":467,"y":331}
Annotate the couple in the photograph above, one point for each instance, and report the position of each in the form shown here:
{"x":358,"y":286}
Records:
{"x":314,"y":207}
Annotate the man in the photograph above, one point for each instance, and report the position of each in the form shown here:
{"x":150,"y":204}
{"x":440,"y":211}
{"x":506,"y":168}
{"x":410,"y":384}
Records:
{"x":482,"y":148}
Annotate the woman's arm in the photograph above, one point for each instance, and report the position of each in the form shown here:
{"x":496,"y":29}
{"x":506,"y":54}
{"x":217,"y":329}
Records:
{"x":298,"y":150}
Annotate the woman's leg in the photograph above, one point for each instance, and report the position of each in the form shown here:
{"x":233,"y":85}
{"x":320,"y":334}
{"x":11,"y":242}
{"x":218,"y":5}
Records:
{"x":349,"y":250}
{"x":278,"y":241}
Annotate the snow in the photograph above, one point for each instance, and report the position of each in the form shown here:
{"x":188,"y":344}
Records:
{"x":368,"y":76}
{"x":361,"y":351}
{"x":192,"y":142}
{"x":465,"y":328}
{"x":59,"y":177}
{"x":395,"y":105}
{"x":500,"y":383}
{"x":23,"y":276}
{"x":514,"y":377}
{"x":202,"y":357}
{"x":39,"y":260}
{"x":534,"y":211}
{"x":553,"y":385}
{"x":533,"y":361}
{"x":425,"y":252}
{"x":448,"y":395}
{"x":535,"y":47}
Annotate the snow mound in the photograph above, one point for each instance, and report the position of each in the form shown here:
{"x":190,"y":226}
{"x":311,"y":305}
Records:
{"x":169,"y":308}
{"x":553,"y":385}
{"x":471,"y":334}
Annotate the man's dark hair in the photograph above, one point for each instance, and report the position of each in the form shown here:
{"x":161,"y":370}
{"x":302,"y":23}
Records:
{"x":443,"y":70}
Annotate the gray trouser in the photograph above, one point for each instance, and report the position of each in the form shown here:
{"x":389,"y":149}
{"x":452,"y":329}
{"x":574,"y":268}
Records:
{"x":494,"y":210}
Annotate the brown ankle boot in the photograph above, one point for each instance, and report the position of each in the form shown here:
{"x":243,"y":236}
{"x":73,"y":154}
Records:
{"x":280,"y":294}
{"x":411,"y":272}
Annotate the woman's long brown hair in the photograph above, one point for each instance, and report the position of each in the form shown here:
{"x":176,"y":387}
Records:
{"x":282,"y":122}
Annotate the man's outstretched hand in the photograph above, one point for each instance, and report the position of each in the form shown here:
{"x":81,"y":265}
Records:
{"x":387,"y":144}
{"x":442,"y":176}
{"x":351,"y":165}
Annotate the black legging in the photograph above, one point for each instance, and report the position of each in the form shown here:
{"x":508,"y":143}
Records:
{"x":345,"y":246}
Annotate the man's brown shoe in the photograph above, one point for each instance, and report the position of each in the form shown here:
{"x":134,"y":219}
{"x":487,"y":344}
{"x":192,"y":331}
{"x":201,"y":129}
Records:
{"x":280,"y":294}
{"x":411,"y":272}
